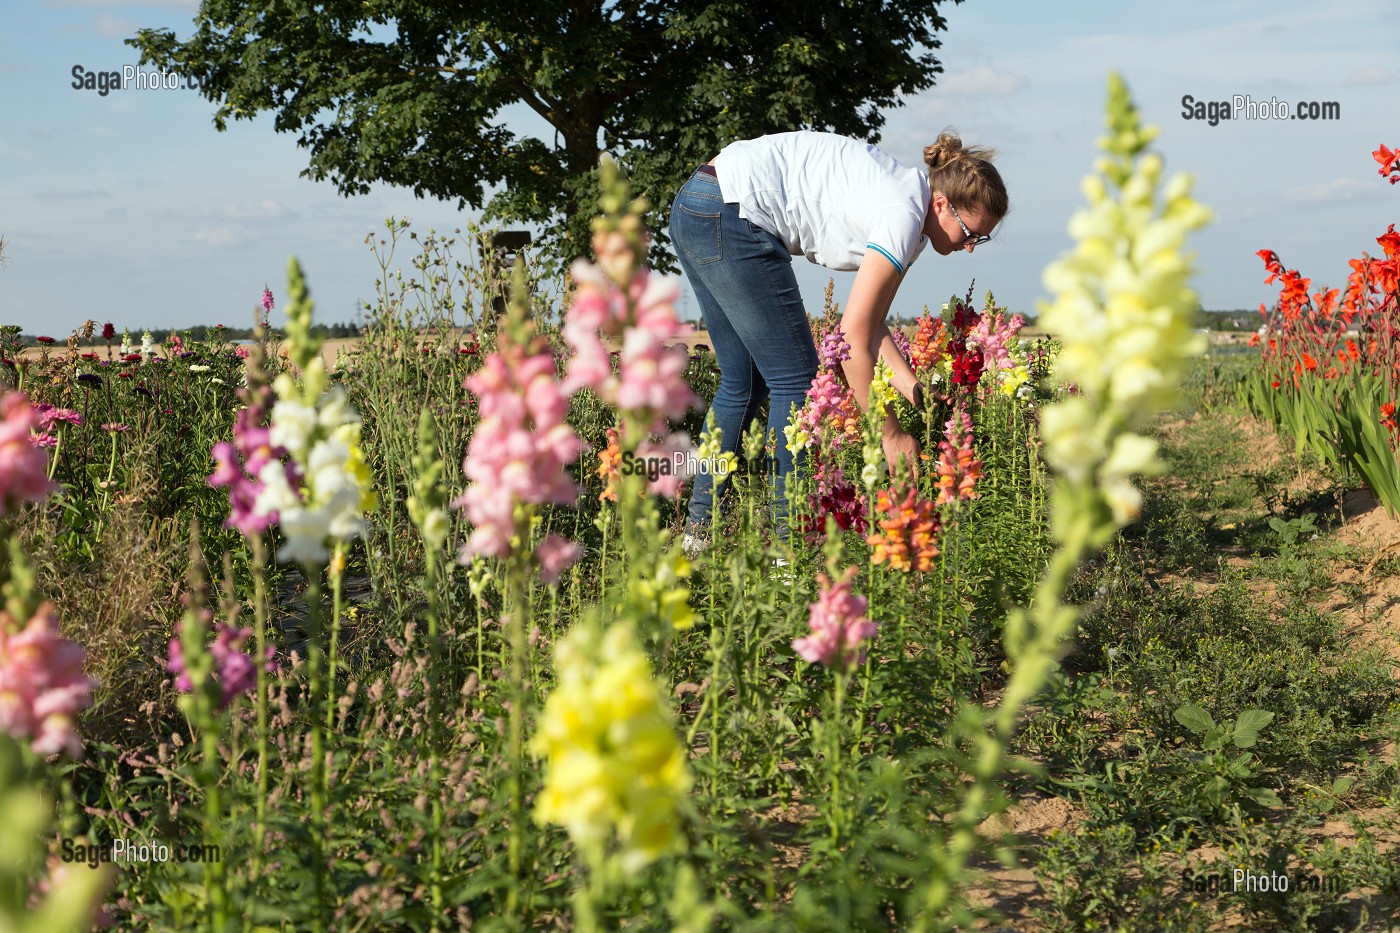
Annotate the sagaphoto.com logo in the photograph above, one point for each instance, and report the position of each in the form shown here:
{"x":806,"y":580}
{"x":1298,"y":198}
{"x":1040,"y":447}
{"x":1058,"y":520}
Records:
{"x":1245,"y":107}
{"x":129,"y":77}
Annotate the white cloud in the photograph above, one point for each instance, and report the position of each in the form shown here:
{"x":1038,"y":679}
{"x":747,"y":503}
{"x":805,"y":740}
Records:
{"x":1374,"y":74}
{"x":114,"y":28}
{"x":218,"y":236}
{"x":983,"y":81}
{"x":1339,"y":189}
{"x":264,"y":208}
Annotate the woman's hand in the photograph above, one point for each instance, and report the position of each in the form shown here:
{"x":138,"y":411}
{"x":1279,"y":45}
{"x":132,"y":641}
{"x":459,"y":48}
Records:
{"x":898,"y":443}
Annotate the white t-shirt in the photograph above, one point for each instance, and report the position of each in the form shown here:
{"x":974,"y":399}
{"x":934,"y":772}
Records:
{"x":827,"y":197}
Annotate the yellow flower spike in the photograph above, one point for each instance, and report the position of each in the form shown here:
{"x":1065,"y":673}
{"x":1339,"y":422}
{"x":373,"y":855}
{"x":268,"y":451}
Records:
{"x":614,"y":766}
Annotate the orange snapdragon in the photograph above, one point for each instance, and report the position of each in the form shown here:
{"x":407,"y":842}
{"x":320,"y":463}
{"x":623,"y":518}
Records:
{"x":908,"y":535}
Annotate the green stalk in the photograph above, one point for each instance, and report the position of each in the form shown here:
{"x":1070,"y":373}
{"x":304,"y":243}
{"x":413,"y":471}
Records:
{"x":259,"y":545}
{"x":434,"y":728}
{"x":516,"y":571}
{"x":318,"y":758}
{"x":337,"y":574}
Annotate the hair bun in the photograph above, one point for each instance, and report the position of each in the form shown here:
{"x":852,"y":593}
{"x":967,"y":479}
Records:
{"x":945,"y":149}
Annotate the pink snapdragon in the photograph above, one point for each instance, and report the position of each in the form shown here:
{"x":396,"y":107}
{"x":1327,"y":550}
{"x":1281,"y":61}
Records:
{"x":831,"y":416}
{"x":556,"y":554}
{"x":520,"y":450}
{"x":839,"y":626}
{"x":651,"y":384}
{"x":993,"y":332}
{"x":239,"y":463}
{"x":24,"y":467}
{"x":234,"y":671}
{"x":958,"y":467}
{"x":42,"y":686}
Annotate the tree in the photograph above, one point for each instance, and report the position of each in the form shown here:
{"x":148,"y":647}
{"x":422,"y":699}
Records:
{"x":410,"y":92}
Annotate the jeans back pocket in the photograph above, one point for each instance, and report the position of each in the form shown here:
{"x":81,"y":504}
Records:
{"x":697,"y":234}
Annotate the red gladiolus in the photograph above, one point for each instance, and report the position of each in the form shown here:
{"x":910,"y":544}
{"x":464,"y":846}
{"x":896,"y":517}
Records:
{"x":1390,"y":242}
{"x":1389,"y":160}
{"x":1309,"y":362}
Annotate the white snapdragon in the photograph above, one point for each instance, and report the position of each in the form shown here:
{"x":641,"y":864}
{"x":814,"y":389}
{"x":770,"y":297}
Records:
{"x":1122,"y":308}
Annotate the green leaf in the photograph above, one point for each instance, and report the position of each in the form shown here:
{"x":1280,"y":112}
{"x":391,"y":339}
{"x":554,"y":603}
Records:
{"x":1194,"y":718}
{"x":1263,"y":796}
{"x":1342,"y":784}
{"x":1248,"y":725}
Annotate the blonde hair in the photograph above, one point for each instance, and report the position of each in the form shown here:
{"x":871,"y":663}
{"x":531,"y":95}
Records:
{"x":965,"y":175}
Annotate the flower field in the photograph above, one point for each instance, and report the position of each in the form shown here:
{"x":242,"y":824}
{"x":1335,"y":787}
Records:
{"x":414,"y":642}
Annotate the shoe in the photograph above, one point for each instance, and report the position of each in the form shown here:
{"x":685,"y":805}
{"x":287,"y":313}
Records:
{"x":694,"y":545}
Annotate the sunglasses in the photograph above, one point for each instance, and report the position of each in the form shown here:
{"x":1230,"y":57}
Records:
{"x":969,"y":239}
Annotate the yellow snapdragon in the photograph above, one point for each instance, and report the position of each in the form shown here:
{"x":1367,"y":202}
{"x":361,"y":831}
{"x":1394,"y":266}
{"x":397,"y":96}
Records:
{"x":613,"y":763}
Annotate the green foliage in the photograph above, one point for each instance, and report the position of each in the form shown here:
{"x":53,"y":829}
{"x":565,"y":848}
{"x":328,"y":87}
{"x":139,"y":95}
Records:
{"x":412,"y":93}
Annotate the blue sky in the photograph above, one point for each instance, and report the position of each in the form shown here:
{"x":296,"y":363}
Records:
{"x":132,"y":208}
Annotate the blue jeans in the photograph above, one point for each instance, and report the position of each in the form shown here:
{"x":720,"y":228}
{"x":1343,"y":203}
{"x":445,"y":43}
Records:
{"x":743,"y":278}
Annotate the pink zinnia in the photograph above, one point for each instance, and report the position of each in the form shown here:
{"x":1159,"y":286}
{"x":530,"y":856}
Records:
{"x":24,"y":468}
{"x":42,"y":686}
{"x":839,"y":626}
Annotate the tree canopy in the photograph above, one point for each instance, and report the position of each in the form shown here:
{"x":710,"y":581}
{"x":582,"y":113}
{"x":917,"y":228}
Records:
{"x":411,"y":92}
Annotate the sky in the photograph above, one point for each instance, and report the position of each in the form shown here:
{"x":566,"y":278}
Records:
{"x":132,"y":208}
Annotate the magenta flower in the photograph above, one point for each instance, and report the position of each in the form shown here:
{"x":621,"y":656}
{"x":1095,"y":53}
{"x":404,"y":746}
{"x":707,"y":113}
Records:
{"x":234,"y":671}
{"x":901,"y":341}
{"x":839,"y":626}
{"x":834,"y":350}
{"x":50,"y":416}
{"x":239,"y":463}
{"x":520,"y":450}
{"x":115,"y":428}
{"x":24,"y":468}
{"x":42,"y":686}
{"x":45,"y":440}
{"x":555,"y":555}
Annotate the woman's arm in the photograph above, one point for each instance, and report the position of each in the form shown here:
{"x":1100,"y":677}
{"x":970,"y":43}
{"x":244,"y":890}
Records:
{"x":863,"y":325}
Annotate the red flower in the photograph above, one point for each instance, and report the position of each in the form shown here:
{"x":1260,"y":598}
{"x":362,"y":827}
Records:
{"x":1276,"y":383}
{"x":108,"y":331}
{"x":1389,"y":160}
{"x":1390,"y":242}
{"x":44,"y":339}
{"x":1271,"y":264}
{"x":132,"y":358}
{"x":1309,"y":362}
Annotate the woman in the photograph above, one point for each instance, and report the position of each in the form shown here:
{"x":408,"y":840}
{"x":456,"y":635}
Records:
{"x":846,"y":205}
